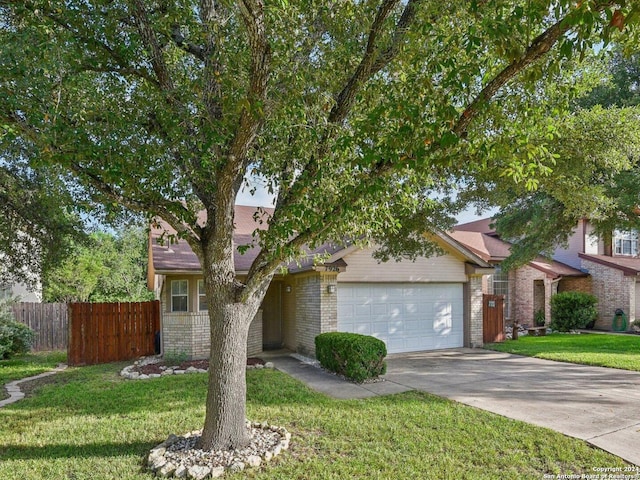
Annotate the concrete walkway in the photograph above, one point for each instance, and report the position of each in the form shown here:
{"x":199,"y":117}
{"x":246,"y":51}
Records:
{"x":595,"y":404}
{"x":14,"y":391}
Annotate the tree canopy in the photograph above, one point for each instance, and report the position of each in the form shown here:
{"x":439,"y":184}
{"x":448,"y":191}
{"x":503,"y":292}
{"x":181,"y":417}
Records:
{"x":361,"y":117}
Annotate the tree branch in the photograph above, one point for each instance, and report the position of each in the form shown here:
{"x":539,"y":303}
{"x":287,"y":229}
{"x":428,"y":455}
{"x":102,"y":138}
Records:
{"x":539,"y":47}
{"x":345,"y":99}
{"x":153,"y":46}
{"x":181,"y":42}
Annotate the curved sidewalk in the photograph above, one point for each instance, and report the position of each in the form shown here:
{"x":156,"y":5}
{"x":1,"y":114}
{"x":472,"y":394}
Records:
{"x":14,"y":391}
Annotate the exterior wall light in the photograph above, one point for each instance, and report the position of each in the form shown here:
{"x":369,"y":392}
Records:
{"x":287,"y":288}
{"x":331,"y":288}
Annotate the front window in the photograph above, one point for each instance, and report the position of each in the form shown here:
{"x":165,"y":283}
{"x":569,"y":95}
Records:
{"x":179,"y":295}
{"x":202,"y":297}
{"x":499,"y":285}
{"x":626,"y":243}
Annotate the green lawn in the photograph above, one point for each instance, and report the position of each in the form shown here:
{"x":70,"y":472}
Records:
{"x":615,"y":351}
{"x":27,"y":366}
{"x":91,"y":424}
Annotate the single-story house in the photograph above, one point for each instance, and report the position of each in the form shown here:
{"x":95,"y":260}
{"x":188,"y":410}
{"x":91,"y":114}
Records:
{"x":527,"y":289}
{"x":432,"y":303}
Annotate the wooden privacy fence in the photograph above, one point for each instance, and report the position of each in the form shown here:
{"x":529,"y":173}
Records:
{"x":492,"y":318}
{"x":109,"y":332}
{"x":50,"y":322}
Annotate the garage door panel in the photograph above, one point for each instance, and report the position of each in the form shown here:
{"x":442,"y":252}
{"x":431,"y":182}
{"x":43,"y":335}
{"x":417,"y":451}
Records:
{"x":407,"y":317}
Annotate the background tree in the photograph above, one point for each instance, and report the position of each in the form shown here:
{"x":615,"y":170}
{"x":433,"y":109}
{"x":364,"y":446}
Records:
{"x":359,"y":115}
{"x":38,"y":220}
{"x":107,"y":268}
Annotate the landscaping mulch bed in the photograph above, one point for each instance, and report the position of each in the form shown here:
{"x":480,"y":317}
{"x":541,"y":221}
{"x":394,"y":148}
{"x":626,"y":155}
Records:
{"x":157,"y":368}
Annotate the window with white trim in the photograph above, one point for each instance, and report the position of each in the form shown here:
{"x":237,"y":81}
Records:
{"x":499,"y":285}
{"x":625,"y":243}
{"x":179,"y":295}
{"x":202,"y":297}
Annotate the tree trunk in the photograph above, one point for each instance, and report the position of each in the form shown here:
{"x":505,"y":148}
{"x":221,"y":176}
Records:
{"x":225,"y":420}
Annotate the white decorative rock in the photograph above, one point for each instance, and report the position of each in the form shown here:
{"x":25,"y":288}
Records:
{"x":197,"y":472}
{"x":254,"y":461}
{"x":191,"y":370}
{"x":154,"y":375}
{"x":217,"y":472}
{"x":201,"y":370}
{"x":166,"y":372}
{"x":143,"y":377}
{"x":179,"y":372}
{"x":268,"y":365}
{"x":267,"y":456}
{"x":181,"y":472}
{"x":167,"y":470}
{"x":236,"y":467}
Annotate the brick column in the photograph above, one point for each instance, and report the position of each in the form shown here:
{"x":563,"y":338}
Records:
{"x":474,"y":338}
{"x":317,"y":310}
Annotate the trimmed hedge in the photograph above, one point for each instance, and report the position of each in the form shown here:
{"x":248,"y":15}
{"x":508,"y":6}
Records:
{"x":572,"y":310}
{"x":357,"y":357}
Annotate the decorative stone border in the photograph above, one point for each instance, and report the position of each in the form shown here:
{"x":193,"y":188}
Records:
{"x":127,"y":372}
{"x":177,"y":456}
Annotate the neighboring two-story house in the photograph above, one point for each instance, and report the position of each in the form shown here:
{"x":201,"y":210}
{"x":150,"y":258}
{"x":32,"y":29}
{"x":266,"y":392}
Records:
{"x":614,"y":266}
{"x":527,"y":289}
{"x":608,"y":268}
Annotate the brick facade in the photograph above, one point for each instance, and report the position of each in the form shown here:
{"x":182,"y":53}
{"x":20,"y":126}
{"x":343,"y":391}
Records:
{"x":316,"y":309}
{"x":188,"y":334}
{"x":613,"y":290}
{"x":474,"y":338}
{"x":524,"y":294}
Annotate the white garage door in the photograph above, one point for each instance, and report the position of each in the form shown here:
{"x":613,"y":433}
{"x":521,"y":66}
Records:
{"x":407,"y":317}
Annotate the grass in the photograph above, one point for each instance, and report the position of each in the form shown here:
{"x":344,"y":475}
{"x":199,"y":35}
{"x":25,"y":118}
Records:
{"x":28,"y":365}
{"x":615,"y":351}
{"x":91,"y":424}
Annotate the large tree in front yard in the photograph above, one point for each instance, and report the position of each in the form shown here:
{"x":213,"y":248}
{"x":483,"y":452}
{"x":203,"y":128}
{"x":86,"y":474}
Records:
{"x":360,"y":116}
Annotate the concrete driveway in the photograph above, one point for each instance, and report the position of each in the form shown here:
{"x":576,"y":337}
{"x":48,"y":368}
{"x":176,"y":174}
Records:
{"x":599,"y":405}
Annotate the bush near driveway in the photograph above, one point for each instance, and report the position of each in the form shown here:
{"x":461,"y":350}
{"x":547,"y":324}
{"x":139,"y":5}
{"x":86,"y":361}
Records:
{"x":357,"y":357}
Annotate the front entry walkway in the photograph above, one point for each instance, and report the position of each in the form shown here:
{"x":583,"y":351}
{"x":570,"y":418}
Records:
{"x":596,"y":404}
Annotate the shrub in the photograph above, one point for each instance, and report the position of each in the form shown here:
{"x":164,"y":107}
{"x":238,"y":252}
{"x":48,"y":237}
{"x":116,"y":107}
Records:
{"x":357,"y":357}
{"x":15,"y":337}
{"x":538,"y":318}
{"x":571,"y":310}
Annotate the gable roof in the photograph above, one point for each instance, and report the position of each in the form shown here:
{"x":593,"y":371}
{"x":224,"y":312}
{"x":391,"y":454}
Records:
{"x":179,"y":258}
{"x":479,"y":237}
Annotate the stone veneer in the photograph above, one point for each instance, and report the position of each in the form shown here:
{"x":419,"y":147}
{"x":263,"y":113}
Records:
{"x":317,"y":309}
{"x":188,"y":333}
{"x":613,"y":290}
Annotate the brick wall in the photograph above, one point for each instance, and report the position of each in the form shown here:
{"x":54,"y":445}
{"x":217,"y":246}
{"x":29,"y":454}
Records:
{"x":189,"y":334}
{"x":475,"y":311}
{"x":576,"y":284}
{"x":613,"y":290}
{"x":316,"y":309}
{"x":524,"y":294}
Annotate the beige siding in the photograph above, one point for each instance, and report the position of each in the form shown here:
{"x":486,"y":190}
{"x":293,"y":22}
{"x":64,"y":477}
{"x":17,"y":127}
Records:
{"x":362,"y":267}
{"x":576,"y":243}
